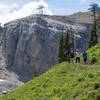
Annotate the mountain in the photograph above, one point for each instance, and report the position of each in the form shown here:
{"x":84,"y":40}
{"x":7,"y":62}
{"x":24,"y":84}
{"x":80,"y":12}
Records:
{"x":63,"y":82}
{"x":31,"y":43}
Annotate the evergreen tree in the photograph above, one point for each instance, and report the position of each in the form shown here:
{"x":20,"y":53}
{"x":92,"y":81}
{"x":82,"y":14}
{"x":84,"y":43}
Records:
{"x":94,"y":6}
{"x":99,"y":15}
{"x":93,"y":34}
{"x":34,"y":73}
{"x":98,"y":27}
{"x":93,"y":10}
{"x":67,"y":47}
{"x":61,"y":49}
{"x":90,"y":44}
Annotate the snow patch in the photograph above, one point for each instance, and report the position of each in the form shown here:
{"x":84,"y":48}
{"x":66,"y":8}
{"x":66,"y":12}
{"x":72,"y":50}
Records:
{"x":1,"y":80}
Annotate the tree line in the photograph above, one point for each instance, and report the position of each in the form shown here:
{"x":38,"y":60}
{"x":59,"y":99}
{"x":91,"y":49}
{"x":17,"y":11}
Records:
{"x":65,"y":43}
{"x":64,"y":48}
{"x":93,"y":39}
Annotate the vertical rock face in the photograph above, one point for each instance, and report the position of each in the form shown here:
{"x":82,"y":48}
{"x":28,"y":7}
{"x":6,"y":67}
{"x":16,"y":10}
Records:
{"x":8,"y":79}
{"x":32,"y":42}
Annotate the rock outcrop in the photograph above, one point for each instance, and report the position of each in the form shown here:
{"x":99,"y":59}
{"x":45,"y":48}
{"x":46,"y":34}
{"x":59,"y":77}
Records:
{"x":32,"y":42}
{"x":8,"y":79}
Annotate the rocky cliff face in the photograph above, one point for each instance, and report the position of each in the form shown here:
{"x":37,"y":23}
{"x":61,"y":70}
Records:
{"x":32,"y":42}
{"x":8,"y":79}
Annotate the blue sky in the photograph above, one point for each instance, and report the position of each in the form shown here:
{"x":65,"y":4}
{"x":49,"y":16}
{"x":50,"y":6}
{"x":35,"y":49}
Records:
{"x":59,"y":7}
{"x":14,"y":9}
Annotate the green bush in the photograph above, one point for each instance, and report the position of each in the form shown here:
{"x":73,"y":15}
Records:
{"x":97,"y":96}
{"x":96,"y":85}
{"x":90,"y":74}
{"x":93,"y":60}
{"x":98,"y":73}
{"x":56,"y":90}
{"x":93,"y":54}
{"x":13,"y":99}
{"x":92,"y":93}
{"x":34,"y":73}
{"x":81,"y":79}
{"x":82,"y":98}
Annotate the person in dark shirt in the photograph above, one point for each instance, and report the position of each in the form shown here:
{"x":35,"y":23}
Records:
{"x":72,"y":57}
{"x":84,"y":56}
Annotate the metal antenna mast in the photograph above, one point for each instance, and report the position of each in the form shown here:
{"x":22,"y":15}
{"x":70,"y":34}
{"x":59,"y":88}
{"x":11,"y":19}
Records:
{"x":40,"y":8}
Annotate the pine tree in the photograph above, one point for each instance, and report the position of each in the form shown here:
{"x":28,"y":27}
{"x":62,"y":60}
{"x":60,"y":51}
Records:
{"x":99,"y":22}
{"x":61,"y":49}
{"x":90,"y":44}
{"x":98,"y":25}
{"x":34,"y":73}
{"x":93,"y":10}
{"x":67,"y":47}
{"x":99,"y":15}
{"x":93,"y":34}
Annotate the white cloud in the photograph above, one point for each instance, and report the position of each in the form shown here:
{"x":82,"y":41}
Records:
{"x":6,"y":13}
{"x":6,"y":8}
{"x":86,"y":0}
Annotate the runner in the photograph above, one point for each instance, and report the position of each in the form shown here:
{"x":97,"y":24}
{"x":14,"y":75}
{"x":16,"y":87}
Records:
{"x":84,"y":56}
{"x":72,"y":57}
{"x":77,"y":56}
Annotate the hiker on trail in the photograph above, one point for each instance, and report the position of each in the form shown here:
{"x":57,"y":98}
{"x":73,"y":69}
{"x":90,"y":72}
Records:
{"x":72,"y":56}
{"x":77,"y":56}
{"x":84,"y":54}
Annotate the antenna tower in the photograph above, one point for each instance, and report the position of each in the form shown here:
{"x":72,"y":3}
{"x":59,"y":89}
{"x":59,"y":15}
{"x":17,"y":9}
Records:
{"x":40,"y":8}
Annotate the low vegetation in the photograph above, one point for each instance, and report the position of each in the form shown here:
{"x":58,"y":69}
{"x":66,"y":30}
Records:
{"x":63,"y":82}
{"x":94,"y":55}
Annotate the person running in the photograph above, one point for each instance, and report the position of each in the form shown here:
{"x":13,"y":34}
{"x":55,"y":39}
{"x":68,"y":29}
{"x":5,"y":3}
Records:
{"x":77,"y":56}
{"x":84,"y":54}
{"x":72,"y":56}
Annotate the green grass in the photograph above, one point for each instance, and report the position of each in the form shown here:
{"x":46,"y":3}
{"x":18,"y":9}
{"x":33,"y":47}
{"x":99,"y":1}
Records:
{"x":63,"y":82}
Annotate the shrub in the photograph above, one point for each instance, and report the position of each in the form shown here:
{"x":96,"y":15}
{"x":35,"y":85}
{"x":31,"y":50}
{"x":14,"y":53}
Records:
{"x":97,"y":96}
{"x":96,"y":85}
{"x":93,"y":54}
{"x":92,"y":93}
{"x":13,"y":99}
{"x":93,"y":60}
{"x":56,"y":90}
{"x":90,"y":74}
{"x":98,"y":73}
{"x":34,"y":73}
{"x":81,"y":79}
{"x":82,"y":98}
{"x":99,"y":54}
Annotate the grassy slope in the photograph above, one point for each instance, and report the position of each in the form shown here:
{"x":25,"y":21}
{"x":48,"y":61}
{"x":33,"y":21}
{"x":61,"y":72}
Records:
{"x":63,"y":82}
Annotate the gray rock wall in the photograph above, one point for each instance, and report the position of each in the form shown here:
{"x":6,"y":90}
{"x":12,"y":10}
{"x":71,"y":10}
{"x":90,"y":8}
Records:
{"x":32,"y":42}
